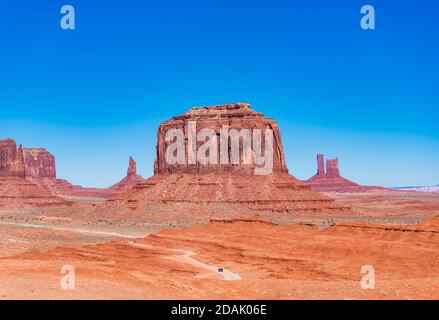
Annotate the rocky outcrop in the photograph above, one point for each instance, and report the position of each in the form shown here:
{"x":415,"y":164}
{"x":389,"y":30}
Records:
{"x":39,"y":163}
{"x":198,"y":190}
{"x":21,"y":193}
{"x":331,"y":181}
{"x":15,"y":190}
{"x":41,"y":170}
{"x":320,"y":165}
{"x":131,"y":179}
{"x":132,"y":168}
{"x":11,"y":159}
{"x":226,"y":123}
{"x":332,"y":168}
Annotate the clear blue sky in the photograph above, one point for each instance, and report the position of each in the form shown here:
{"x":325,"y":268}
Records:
{"x":95,"y":95}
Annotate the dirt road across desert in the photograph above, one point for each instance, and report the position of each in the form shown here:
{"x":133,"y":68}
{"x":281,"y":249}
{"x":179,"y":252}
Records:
{"x":186,"y":257}
{"x":271,"y":261}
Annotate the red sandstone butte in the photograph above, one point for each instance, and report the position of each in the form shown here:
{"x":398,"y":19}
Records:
{"x":331,"y":181}
{"x":11,"y":159}
{"x":211,"y":190}
{"x":39,"y":163}
{"x":230,"y":116}
{"x":15,"y":190}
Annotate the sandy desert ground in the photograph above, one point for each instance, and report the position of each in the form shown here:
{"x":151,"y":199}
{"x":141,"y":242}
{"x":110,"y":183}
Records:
{"x":308,"y":257}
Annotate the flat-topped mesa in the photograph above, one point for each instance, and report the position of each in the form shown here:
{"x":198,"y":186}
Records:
{"x":238,"y":109}
{"x":224,"y":128}
{"x":11,"y":159}
{"x":39,"y":163}
{"x":15,"y":190}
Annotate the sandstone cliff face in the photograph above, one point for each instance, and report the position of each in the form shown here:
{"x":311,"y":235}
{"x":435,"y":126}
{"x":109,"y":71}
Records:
{"x":11,"y":159}
{"x":332,"y":168}
{"x":39,"y":163}
{"x":222,"y":117}
{"x":320,"y":165}
{"x":202,"y":191}
{"x":15,"y":190}
{"x":331,"y":181}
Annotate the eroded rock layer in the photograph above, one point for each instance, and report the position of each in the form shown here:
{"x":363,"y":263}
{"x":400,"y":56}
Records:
{"x":278,"y":192}
{"x":15,"y":190}
{"x":11,"y":159}
{"x":230,"y":116}
{"x":21,"y":193}
{"x":39,"y":163}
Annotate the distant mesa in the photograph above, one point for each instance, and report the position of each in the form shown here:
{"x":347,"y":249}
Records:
{"x":41,"y":169}
{"x":28,"y":178}
{"x":329,"y":180}
{"x":15,"y":190}
{"x":194,"y":190}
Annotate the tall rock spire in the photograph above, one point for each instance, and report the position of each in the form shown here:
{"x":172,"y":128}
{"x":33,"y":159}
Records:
{"x":20,"y":167}
{"x":320,"y":164}
{"x":132,"y":167}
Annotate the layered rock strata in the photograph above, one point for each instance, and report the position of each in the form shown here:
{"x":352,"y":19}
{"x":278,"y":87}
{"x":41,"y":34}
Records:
{"x":15,"y":190}
{"x":212,"y":189}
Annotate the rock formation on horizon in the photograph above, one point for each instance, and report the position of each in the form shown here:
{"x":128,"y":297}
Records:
{"x":39,"y":163}
{"x":132,"y":167}
{"x":15,"y":190}
{"x":11,"y":159}
{"x":222,"y":189}
{"x":329,"y":180}
{"x":131,"y":179}
{"x":230,"y":116}
{"x":40,"y":168}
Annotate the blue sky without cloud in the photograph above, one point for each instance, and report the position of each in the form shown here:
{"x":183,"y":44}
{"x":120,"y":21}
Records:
{"x":95,"y":95}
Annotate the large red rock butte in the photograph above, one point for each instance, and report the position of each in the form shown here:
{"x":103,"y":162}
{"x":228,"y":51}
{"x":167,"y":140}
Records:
{"x":211,"y":189}
{"x":230,"y":116}
{"x":15,"y":190}
{"x":331,"y":181}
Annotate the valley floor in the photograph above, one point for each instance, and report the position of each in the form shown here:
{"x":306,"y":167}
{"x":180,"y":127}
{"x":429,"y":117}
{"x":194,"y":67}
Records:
{"x":306,"y":258}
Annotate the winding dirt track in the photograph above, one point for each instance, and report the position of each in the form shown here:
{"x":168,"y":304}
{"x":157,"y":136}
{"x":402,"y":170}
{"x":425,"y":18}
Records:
{"x":186,"y":257}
